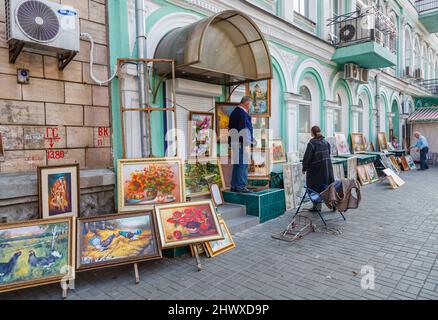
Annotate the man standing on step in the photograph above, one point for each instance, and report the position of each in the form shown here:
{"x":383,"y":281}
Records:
{"x":241,"y":137}
{"x":422,"y":147}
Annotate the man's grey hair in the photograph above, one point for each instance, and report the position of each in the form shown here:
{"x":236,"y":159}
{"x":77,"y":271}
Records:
{"x":245,"y":99}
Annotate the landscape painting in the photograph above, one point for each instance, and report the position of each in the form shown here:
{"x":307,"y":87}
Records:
{"x":223,"y":113}
{"x":35,"y":253}
{"x":260,"y":93}
{"x":58,"y":191}
{"x":144,"y":183}
{"x":218,"y":247}
{"x":200,"y":175}
{"x":116,"y":239}
{"x":187,"y":223}
{"x":201,"y":126}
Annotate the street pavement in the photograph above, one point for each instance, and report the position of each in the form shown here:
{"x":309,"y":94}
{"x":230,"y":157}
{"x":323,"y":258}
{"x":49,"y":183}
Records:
{"x":394,"y":232}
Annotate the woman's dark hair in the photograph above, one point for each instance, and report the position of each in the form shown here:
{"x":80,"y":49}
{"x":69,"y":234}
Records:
{"x":316,"y":132}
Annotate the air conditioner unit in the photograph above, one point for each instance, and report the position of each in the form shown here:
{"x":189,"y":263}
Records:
{"x":409,"y":72}
{"x":364,"y":75}
{"x":348,"y":71}
{"x":379,"y":36}
{"x":419,"y":74}
{"x":347,"y":33}
{"x":42,"y":25}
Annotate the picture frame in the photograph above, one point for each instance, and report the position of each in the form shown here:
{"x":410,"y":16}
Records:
{"x":288,"y":187}
{"x":405,"y":164}
{"x":216,"y":195}
{"x":338,"y":171}
{"x":201,"y":137}
{"x":411,"y":163}
{"x":372,"y":172}
{"x":261,"y":132}
{"x":383,"y":142}
{"x":342,"y":144}
{"x":52,"y":239}
{"x":303,"y":141}
{"x":260,"y":164}
{"x":137,"y":179}
{"x":260,"y":93}
{"x":199,"y":175}
{"x":395,"y":164}
{"x":201,"y":249}
{"x":358,"y":143}
{"x":294,"y":180}
{"x":352,"y":168}
{"x":59,"y":191}
{"x":182,"y":224}
{"x":223,"y":113}
{"x":124,"y":235}
{"x":215,"y":248}
{"x":363,"y":175}
{"x":278,"y":154}
{"x":333,"y":148}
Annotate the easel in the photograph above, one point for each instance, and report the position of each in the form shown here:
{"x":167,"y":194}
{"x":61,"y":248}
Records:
{"x":197,"y":257}
{"x":296,"y":230}
{"x":136,"y":274}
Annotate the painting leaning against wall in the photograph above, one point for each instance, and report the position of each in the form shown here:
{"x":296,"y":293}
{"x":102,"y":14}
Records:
{"x":200,"y":175}
{"x":36,"y":252}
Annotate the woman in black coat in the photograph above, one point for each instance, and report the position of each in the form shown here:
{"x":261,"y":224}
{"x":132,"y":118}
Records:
{"x":317,"y":163}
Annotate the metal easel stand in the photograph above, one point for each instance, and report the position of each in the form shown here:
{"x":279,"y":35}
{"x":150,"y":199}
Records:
{"x":136,"y":274}
{"x":296,"y":230}
{"x":198,"y":258}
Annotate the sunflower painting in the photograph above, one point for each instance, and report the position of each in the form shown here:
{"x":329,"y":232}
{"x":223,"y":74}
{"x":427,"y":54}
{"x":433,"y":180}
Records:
{"x":223,"y":113}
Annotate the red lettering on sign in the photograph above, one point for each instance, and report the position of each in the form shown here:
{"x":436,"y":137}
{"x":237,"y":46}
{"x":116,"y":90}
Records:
{"x":102,"y":132}
{"x":56,"y":155}
{"x":52,"y":136}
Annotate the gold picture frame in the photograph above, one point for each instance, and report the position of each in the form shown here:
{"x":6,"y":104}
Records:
{"x":138,"y":197}
{"x":205,"y":178}
{"x":209,"y":136}
{"x":363,"y":175}
{"x":358,"y":143}
{"x":223,"y":246}
{"x":383,"y":142}
{"x":255,"y":89}
{"x":373,"y":176}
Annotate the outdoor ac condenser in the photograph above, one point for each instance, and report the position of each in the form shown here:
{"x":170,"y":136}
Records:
{"x":42,"y":25}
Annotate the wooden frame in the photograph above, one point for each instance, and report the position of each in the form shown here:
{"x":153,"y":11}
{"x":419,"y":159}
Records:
{"x":201,"y":249}
{"x":266,"y":114}
{"x":75,"y":207}
{"x":190,"y":134}
{"x":383,"y":142}
{"x":344,"y":148}
{"x":219,"y":107}
{"x":231,"y":245}
{"x":411,"y":163}
{"x":120,"y":261}
{"x":358,"y":148}
{"x":363,"y":175}
{"x":273,"y":142}
{"x":203,"y":162}
{"x":70,"y":272}
{"x":371,"y":168}
{"x":150,"y":203}
{"x":395,"y":163}
{"x":404,"y":163}
{"x":2,"y":151}
{"x":213,"y":195}
{"x":177,"y":240}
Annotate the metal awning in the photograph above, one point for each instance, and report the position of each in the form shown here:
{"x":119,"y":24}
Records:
{"x":227,"y":48}
{"x":424,"y":115}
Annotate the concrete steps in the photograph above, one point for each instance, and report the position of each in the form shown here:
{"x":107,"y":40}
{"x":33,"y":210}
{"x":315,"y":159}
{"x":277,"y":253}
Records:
{"x":236,"y":218}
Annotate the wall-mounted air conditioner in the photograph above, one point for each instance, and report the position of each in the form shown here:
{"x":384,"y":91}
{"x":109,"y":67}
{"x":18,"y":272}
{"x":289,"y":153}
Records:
{"x":379,"y":37}
{"x":419,"y":74}
{"x":409,"y":72}
{"x":364,"y":75}
{"x":352,"y":72}
{"x":42,"y":25}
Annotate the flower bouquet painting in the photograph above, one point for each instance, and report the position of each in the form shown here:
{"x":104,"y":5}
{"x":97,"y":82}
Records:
{"x":144,"y":183}
{"x":201,"y":134}
{"x":183,"y":224}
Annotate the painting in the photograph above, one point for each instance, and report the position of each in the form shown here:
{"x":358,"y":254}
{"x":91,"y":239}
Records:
{"x":333,"y":149}
{"x":116,"y":239}
{"x":278,"y":154}
{"x":218,"y":247}
{"x":295,"y":181}
{"x":293,"y":157}
{"x":395,"y":164}
{"x":36,"y":252}
{"x":199,"y":175}
{"x":288,"y":187}
{"x":183,"y":224}
{"x":358,"y":143}
{"x":259,"y":166}
{"x":395,"y":178}
{"x":201,"y":126}
{"x":216,"y":195}
{"x":383,"y":142}
{"x":411,"y":163}
{"x":363,"y":176}
{"x":405,"y":164}
{"x":352,"y":168}
{"x":338,"y":171}
{"x":386,"y":162}
{"x":342,"y":144}
{"x":303,"y":141}
{"x":260,"y":93}
{"x":143,"y":183}
{"x":261,"y":131}
{"x":58,"y":190}
{"x":223,"y":113}
{"x":372,"y":172}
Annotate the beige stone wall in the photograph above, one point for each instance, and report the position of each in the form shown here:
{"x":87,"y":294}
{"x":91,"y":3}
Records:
{"x":66,"y":106}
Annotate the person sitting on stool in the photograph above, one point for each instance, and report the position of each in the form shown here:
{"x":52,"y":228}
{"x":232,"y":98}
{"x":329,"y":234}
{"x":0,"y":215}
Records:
{"x":241,"y":137}
{"x":422,"y":147}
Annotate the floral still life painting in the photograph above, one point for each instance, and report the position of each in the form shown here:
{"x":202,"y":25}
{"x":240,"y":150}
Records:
{"x":200,"y":175}
{"x":35,"y":252}
{"x":183,"y":224}
{"x":116,"y":239}
{"x":277,"y":150}
{"x":201,"y":134}
{"x":144,"y":183}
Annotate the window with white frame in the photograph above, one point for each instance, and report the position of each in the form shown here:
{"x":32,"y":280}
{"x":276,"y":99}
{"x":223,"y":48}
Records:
{"x":306,"y":8}
{"x":417,"y":55}
{"x":304,"y":110}
{"x":337,"y":116}
{"x":408,"y":49}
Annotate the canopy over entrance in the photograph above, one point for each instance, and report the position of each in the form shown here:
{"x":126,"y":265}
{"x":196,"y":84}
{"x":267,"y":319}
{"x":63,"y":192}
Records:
{"x":227,"y":48}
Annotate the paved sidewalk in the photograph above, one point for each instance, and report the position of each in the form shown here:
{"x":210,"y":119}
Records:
{"x":395,"y":231}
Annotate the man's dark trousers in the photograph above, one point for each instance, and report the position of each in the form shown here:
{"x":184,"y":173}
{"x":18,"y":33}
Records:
{"x":423,"y":158}
{"x":239,"y":178}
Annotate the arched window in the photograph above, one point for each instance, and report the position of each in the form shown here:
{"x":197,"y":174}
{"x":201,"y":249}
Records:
{"x":304,"y":110}
{"x":408,"y":49}
{"x":417,"y":55}
{"x":337,"y":116}
{"x":305,"y":94}
{"x":436,"y":67}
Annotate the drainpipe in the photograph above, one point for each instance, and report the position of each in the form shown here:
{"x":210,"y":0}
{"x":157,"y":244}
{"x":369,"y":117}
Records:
{"x":142,"y":71}
{"x":378,"y":103}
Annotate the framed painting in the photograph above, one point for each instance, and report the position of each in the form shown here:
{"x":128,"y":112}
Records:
{"x":223,"y":113}
{"x":372,"y":172}
{"x":397,"y":180}
{"x":405,"y":164}
{"x":144,"y":183}
{"x":201,"y":126}
{"x":383,"y":142}
{"x":362,"y":175}
{"x":182,"y":224}
{"x":352,"y":168}
{"x":278,"y":155}
{"x":342,"y":144}
{"x":294,"y":181}
{"x":261,"y":131}
{"x":199,"y":175}
{"x":58,"y":191}
{"x":260,"y":93}
{"x":411,"y":163}
{"x":395,"y":164}
{"x":358,"y":143}
{"x":259,"y":166}
{"x":216,"y":195}
{"x":288,"y":187}
{"x":215,"y":248}
{"x":119,"y":239}
{"x":333,"y":149}
{"x":36,"y":253}
{"x":303,"y":141}
{"x":338,"y":171}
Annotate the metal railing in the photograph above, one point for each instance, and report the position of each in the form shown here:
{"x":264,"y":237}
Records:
{"x":426,"y":5}
{"x":364,"y":26}
{"x":430,"y":85}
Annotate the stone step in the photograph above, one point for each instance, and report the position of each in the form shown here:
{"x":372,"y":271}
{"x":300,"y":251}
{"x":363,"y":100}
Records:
{"x":230,"y":211}
{"x":240,"y":224}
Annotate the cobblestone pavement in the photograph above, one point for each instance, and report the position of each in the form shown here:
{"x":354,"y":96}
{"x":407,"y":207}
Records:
{"x":395,"y":231}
